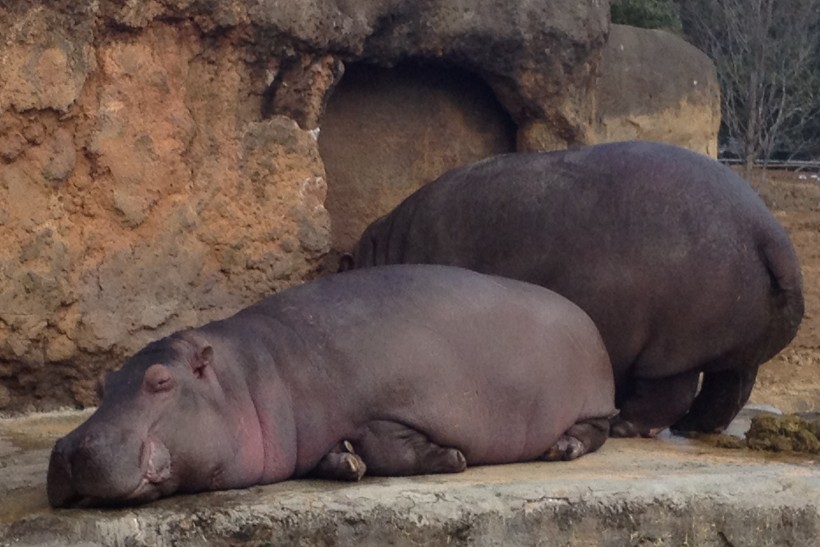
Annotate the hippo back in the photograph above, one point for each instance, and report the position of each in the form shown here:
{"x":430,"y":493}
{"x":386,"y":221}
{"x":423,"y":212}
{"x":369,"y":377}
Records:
{"x":672,"y":254}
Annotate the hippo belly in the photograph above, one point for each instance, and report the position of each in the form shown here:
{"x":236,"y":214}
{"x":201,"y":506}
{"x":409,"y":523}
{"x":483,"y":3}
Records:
{"x":397,"y":370}
{"x":678,"y":262}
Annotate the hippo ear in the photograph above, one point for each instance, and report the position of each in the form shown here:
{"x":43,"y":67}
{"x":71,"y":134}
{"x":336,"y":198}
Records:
{"x":202,"y":360}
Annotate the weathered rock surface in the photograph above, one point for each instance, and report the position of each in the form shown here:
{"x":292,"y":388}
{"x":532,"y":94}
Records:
{"x":159,"y":164}
{"x":130,"y":213}
{"x":656,"y":86}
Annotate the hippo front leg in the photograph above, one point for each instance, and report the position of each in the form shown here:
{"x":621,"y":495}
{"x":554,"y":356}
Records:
{"x":394,"y":449}
{"x":722,"y":394}
{"x":655,"y":403}
{"x":341,"y":463}
{"x":582,"y":438}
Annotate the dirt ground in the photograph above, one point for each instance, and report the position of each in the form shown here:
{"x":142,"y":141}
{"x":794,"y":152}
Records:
{"x":791,"y":381}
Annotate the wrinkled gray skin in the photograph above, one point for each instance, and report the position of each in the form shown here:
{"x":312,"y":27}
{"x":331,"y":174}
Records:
{"x":397,"y":370}
{"x":676,"y":259}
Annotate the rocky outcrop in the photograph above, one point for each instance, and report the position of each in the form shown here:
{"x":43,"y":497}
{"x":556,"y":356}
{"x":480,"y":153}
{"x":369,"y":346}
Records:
{"x":159,"y":164}
{"x":388,"y":131}
{"x":656,"y":86}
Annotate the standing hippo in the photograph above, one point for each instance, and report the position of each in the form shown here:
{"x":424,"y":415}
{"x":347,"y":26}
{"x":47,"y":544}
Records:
{"x":676,"y":259}
{"x":400,"y":370}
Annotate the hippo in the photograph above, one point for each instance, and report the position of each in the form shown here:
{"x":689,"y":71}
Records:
{"x":397,"y":370}
{"x":687,"y":275}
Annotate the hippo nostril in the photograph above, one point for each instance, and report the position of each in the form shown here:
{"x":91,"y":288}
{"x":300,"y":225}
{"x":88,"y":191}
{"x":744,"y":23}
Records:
{"x":101,"y":461}
{"x":89,"y":458}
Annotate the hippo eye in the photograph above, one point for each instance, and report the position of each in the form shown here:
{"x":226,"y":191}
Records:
{"x":158,"y":378}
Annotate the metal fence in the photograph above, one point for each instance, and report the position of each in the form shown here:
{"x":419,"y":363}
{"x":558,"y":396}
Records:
{"x":789,"y":165}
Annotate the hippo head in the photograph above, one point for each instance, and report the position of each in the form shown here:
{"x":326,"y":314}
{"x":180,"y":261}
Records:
{"x":346,"y":262}
{"x":370,"y":250}
{"x":165,"y":424}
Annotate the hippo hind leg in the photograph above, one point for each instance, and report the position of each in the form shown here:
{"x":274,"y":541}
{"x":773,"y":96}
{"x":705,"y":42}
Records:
{"x":391,"y":449}
{"x":655,"y":403}
{"x":583,"y":437}
{"x":341,"y":463}
{"x":722,"y":394}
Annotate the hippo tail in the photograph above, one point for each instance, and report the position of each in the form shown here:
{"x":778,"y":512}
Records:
{"x":783,"y":266}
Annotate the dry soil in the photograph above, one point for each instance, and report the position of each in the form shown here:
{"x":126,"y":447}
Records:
{"x":791,"y":381}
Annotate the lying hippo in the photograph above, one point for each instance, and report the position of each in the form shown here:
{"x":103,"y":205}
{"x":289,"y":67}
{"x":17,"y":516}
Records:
{"x":400,"y":370}
{"x":675,"y":258}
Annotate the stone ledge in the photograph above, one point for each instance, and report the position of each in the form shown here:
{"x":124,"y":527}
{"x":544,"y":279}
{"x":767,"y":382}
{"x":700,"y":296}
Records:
{"x":632,"y":492}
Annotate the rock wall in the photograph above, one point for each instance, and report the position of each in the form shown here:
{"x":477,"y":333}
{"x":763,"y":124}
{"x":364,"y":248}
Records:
{"x":133,"y":205}
{"x":656,"y":86}
{"x":159,"y":164}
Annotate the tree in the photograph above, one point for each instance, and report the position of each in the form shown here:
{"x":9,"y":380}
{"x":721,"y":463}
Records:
{"x":765,"y":52}
{"x":646,"y":13}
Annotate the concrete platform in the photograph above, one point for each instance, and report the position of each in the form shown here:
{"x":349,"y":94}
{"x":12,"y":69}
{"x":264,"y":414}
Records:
{"x":667,"y":491}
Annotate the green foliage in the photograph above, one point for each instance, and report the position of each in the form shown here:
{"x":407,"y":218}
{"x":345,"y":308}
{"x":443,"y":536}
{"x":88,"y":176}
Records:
{"x":646,"y":13}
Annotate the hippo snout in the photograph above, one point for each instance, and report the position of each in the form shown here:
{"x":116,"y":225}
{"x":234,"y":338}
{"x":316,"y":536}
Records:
{"x":103,"y":465}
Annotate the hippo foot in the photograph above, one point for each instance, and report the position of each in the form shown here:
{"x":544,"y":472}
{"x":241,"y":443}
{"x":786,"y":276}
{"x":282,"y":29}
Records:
{"x":565,"y":449}
{"x":654,"y":404}
{"x":391,"y":448}
{"x":624,"y":428}
{"x":582,"y":438}
{"x":722,"y":395}
{"x":450,"y":460}
{"x":341,"y":463}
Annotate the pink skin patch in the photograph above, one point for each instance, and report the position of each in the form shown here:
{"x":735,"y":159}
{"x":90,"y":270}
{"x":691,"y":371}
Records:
{"x":155,"y":461}
{"x":251,"y":458}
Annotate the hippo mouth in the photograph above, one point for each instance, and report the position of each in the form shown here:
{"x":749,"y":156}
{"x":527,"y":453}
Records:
{"x":68,"y":483}
{"x":155,"y":463}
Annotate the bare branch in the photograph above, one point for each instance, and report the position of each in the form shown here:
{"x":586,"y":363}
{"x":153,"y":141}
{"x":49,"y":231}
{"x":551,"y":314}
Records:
{"x":766,"y":54}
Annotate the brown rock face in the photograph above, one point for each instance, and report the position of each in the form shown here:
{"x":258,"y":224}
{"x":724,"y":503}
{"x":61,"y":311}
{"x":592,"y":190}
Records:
{"x":153,"y":202}
{"x":159,"y":164}
{"x":656,"y":86}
